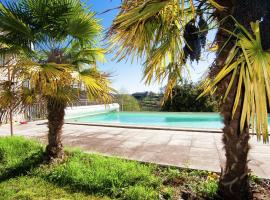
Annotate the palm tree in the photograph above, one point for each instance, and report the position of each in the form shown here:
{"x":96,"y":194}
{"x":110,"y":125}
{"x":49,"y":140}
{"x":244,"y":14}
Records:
{"x":7,"y":59}
{"x":57,"y":41}
{"x":58,"y":85}
{"x":166,"y":33}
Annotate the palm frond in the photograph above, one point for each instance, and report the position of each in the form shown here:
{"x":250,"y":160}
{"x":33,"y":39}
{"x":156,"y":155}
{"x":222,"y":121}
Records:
{"x":248,"y":63}
{"x":153,"y":30}
{"x":64,"y":35}
{"x":85,"y":27}
{"x":97,"y":85}
{"x":216,"y":5}
{"x":88,"y":56}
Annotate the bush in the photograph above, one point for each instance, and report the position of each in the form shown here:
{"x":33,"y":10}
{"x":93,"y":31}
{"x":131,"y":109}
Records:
{"x":128,"y":103}
{"x":184,"y":99}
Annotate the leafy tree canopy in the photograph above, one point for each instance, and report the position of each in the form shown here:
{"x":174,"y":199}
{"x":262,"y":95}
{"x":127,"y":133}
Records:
{"x":128,"y":103}
{"x":184,"y":99}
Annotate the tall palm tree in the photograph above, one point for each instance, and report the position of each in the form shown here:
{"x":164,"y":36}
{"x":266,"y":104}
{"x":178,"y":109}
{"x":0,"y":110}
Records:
{"x":57,"y":40}
{"x":166,"y":33}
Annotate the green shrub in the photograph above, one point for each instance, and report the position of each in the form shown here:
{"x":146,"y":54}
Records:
{"x":208,"y":189}
{"x":185,"y":99}
{"x":254,"y":179}
{"x":139,"y":192}
{"x":128,"y":103}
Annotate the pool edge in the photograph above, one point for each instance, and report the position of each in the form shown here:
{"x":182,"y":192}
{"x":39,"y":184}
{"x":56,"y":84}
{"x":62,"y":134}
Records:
{"x":146,"y":127}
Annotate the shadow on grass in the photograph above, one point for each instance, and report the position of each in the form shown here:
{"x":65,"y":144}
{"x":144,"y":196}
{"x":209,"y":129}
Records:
{"x":104,"y":176}
{"x":23,"y":167}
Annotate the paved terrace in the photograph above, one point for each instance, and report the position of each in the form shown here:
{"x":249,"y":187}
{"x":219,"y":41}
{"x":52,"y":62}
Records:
{"x":196,"y":150}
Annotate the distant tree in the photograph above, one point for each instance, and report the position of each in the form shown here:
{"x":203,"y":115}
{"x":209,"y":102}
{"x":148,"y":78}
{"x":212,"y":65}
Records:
{"x":184,"y":99}
{"x":128,"y":103}
{"x":151,"y":102}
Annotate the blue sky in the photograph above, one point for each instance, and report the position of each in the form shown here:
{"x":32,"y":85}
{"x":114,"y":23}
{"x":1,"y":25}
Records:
{"x":127,"y":76}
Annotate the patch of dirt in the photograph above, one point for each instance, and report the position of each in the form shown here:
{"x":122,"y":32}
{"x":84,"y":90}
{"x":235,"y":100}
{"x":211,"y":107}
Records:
{"x":261,"y":190}
{"x":188,"y":185}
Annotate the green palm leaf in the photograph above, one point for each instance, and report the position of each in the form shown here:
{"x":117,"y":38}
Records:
{"x":153,"y":30}
{"x":249,"y":64}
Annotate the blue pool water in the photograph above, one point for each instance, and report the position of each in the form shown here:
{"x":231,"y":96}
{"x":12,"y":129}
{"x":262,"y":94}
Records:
{"x":179,"y":120}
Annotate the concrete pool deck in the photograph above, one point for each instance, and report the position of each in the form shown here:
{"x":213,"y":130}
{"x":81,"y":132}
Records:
{"x":196,"y":150}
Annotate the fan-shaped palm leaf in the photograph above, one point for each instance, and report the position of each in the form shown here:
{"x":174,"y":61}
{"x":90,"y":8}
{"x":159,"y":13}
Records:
{"x":153,"y":30}
{"x":248,"y":63}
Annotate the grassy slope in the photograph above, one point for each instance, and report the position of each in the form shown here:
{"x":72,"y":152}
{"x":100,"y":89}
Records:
{"x":83,"y":176}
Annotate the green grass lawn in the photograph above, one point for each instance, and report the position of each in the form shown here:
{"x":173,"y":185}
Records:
{"x":30,"y":187}
{"x":23,"y":175}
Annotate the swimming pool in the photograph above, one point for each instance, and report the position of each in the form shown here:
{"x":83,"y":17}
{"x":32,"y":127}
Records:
{"x":178,"y":120}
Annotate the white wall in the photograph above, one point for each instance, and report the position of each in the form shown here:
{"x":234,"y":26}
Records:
{"x":79,"y":111}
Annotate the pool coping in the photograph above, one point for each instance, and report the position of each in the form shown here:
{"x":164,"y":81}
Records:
{"x":131,"y":126}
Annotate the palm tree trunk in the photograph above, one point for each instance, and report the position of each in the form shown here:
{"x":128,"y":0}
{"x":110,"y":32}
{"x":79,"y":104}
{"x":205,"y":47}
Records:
{"x":56,"y":113}
{"x":10,"y":108}
{"x":233,"y":183}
